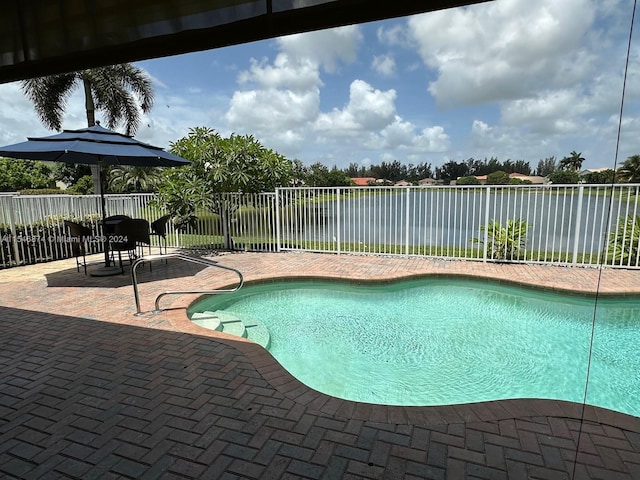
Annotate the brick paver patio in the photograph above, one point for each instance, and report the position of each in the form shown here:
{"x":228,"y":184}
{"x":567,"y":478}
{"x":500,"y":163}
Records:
{"x":87,"y":390}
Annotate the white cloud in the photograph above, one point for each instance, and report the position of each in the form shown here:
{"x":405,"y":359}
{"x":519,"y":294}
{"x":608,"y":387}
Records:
{"x":299,"y":74}
{"x":285,"y":98}
{"x":504,"y":50}
{"x":281,"y":100}
{"x":272,"y":109}
{"x":508,"y":142}
{"x":629,"y":136}
{"x":368,"y":109}
{"x":395,"y":35}
{"x":327,"y":48}
{"x":557,"y":111}
{"x":402,"y":135}
{"x":385,"y":65}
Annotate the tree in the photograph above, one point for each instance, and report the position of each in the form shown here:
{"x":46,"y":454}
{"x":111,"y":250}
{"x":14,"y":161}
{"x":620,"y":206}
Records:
{"x":355,"y":170}
{"x":602,"y":177}
{"x":84,"y":186}
{"x":299,"y":173}
{"x":629,"y":171}
{"x":572,"y":162}
{"x":391,"y":171}
{"x":235,"y":164}
{"x":337,"y":178}
{"x":521,"y":166}
{"x":469,"y":180}
{"x":20,"y":175}
{"x":546,"y":167}
{"x":69,"y":173}
{"x":114,"y":91}
{"x":452,"y":170}
{"x":564,"y":177}
{"x":317,"y":175}
{"x":421,"y":171}
{"x":128,"y":179}
{"x":498,"y":178}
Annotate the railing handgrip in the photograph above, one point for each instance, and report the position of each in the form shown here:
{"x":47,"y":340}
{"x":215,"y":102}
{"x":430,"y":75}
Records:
{"x":187,"y":258}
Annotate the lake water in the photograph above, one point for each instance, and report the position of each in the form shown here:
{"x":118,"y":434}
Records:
{"x":452,"y":217}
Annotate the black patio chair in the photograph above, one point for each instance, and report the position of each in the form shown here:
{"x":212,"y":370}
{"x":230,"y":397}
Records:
{"x":77,"y":237}
{"x":123,"y":239}
{"x":159,"y":229}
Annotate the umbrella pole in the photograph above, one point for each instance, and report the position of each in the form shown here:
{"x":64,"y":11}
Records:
{"x":103,"y":205}
{"x":107,"y":270}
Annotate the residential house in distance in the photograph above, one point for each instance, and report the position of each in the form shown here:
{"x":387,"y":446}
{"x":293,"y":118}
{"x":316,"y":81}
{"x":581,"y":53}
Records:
{"x":536,"y":180}
{"x":427,"y":182}
{"x":363,"y":181}
{"x":594,"y":170}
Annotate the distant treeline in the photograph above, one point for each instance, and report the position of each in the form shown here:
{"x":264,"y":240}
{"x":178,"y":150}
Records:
{"x":319,"y":174}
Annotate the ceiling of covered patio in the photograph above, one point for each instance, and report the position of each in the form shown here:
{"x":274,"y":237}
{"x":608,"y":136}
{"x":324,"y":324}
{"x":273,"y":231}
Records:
{"x":40,"y":38}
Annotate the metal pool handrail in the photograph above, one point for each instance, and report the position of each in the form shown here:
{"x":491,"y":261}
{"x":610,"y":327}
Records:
{"x":187,"y":258}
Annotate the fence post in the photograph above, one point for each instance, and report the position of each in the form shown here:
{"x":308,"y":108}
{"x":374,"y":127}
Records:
{"x":277,"y":207}
{"x":407,"y":219}
{"x":14,"y":232}
{"x":338,"y":213}
{"x":486,"y":224}
{"x":576,"y":242}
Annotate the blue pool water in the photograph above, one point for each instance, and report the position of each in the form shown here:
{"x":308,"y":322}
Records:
{"x":442,"y":341}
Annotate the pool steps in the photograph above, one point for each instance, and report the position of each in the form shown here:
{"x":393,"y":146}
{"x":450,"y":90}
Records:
{"x":228,"y":323}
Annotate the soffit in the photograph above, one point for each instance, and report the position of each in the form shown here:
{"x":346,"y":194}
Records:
{"x":42,"y":37}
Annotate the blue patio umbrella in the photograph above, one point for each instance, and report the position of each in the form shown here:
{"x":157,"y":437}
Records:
{"x":93,"y":146}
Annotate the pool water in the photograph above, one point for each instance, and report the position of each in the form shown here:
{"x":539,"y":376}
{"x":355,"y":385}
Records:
{"x":442,"y":341}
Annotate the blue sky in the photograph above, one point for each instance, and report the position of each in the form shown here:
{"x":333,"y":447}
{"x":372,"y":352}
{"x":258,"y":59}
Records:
{"x":510,"y":78}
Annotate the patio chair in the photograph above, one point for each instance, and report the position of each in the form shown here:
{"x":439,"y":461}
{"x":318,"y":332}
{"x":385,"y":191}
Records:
{"x":111,"y":222}
{"x":159,"y":229}
{"x":123,"y":239}
{"x":142,"y":236}
{"x":78,"y":235}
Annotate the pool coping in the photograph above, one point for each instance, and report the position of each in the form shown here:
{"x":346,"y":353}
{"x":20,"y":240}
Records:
{"x":496,"y":410}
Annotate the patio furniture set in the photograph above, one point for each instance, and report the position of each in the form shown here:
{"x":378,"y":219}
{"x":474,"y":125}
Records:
{"x":122,"y":234}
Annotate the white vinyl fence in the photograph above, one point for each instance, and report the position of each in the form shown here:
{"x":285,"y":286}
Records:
{"x":561,"y":224}
{"x":583,"y":225}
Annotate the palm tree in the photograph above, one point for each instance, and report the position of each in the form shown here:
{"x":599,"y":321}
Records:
{"x":572,"y":162}
{"x":629,"y":171}
{"x":113,"y":90}
{"x":127,"y":178}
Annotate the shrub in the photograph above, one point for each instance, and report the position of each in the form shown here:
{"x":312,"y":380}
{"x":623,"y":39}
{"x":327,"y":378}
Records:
{"x":519,"y":181}
{"x":42,"y":191}
{"x":603,"y":177}
{"x":470,"y":180}
{"x":564,"y":177}
{"x":84,"y":186}
{"x":623,"y":243}
{"x":505,"y":242}
{"x":498,"y":178}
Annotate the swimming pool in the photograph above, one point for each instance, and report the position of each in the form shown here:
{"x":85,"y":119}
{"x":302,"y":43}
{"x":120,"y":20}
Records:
{"x":445,"y":341}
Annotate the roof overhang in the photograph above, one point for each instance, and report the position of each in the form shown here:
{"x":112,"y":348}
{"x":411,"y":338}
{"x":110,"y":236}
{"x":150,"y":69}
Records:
{"x":43,"y":37}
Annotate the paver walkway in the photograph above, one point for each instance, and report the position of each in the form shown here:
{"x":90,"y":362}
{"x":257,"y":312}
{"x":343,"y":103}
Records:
{"x":87,"y":390}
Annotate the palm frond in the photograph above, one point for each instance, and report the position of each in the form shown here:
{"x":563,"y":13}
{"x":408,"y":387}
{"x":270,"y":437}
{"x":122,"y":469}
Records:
{"x":49,"y":96}
{"x":116,"y":89}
